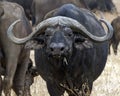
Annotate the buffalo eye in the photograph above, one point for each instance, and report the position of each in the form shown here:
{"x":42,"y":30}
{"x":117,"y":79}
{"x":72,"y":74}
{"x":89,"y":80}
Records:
{"x":68,"y":32}
{"x":82,"y":42}
{"x":40,"y":40}
{"x":47,"y":35}
{"x":49,"y":32}
{"x":79,"y":39}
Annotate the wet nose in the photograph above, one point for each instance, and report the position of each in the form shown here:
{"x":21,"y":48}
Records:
{"x":57,"y":47}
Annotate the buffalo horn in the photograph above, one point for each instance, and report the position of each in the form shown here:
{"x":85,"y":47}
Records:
{"x":66,"y":21}
{"x":12,"y":37}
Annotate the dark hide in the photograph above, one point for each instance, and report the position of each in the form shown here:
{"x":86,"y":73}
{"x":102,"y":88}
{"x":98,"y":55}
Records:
{"x":114,"y":42}
{"x":103,"y":5}
{"x":68,"y":60}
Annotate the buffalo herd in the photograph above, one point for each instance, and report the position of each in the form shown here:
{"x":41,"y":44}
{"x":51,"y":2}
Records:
{"x":15,"y":58}
{"x":35,"y":10}
{"x":70,"y":43}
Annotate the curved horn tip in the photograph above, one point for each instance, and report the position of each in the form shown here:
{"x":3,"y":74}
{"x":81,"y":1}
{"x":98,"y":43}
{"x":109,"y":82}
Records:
{"x":108,"y":25}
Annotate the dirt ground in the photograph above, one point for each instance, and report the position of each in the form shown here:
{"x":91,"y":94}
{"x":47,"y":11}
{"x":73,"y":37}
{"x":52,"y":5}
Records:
{"x":108,"y":84}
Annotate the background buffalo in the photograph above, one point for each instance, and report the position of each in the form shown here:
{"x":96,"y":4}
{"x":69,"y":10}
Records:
{"x":116,"y":36}
{"x":103,"y":5}
{"x":26,"y":4}
{"x":14,"y":58}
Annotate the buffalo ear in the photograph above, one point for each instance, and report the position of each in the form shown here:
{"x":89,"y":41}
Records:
{"x":34,"y":44}
{"x":83,"y":44}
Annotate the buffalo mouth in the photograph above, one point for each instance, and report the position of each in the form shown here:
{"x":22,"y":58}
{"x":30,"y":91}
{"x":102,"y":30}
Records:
{"x":59,"y":61}
{"x":57,"y":55}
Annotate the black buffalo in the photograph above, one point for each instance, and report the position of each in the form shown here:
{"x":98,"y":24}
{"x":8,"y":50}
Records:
{"x":14,"y":59}
{"x":114,"y":42}
{"x":71,"y":50}
{"x":103,"y":5}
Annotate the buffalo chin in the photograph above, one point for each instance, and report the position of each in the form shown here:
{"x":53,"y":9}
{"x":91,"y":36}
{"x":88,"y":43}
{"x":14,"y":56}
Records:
{"x":56,"y":56}
{"x":58,"y":60}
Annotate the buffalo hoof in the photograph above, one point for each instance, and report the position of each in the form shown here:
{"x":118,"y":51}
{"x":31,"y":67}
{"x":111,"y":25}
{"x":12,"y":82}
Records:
{"x":7,"y":93}
{"x":7,"y":86}
{"x":27,"y":93}
{"x":20,"y":93}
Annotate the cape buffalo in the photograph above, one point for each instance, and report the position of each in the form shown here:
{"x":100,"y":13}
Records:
{"x":15,"y":58}
{"x":114,"y":42}
{"x":71,"y":49}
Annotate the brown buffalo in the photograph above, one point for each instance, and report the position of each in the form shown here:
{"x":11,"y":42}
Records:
{"x":15,"y":58}
{"x":26,"y":4}
{"x":116,"y":35}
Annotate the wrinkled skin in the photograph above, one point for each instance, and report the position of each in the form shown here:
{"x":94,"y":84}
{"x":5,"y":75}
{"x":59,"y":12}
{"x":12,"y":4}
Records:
{"x":63,"y":56}
{"x":114,"y":42}
{"x":16,"y":59}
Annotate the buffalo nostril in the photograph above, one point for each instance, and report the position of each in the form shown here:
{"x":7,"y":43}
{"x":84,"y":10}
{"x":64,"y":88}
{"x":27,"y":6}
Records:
{"x":57,"y":47}
{"x":62,"y":48}
{"x":51,"y":49}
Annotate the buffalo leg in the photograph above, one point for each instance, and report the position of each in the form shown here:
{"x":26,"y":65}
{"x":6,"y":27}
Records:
{"x":10,"y":71}
{"x":55,"y":90}
{"x":1,"y":71}
{"x":0,"y":85}
{"x":29,"y":79}
{"x":19,"y":78}
{"x":115,"y":47}
{"x":0,"y":82}
{"x":110,"y":43}
{"x":28,"y":83}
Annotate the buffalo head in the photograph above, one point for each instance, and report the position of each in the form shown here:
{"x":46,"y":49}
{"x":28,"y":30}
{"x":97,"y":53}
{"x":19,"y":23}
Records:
{"x":58,"y":40}
{"x":59,"y":35}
